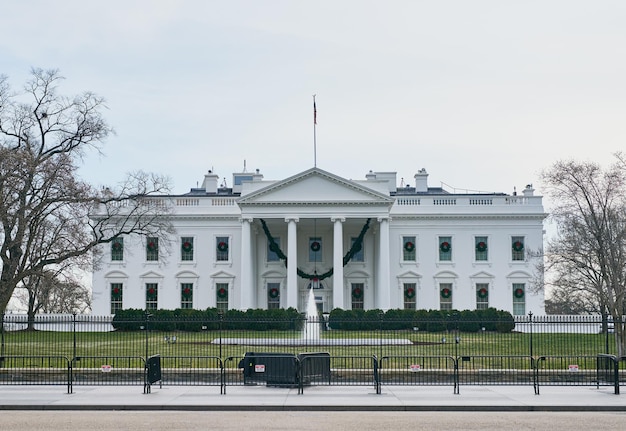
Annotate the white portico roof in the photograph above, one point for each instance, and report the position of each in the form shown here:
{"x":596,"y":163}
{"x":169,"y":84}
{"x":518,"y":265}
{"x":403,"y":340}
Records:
{"x":315,"y":192}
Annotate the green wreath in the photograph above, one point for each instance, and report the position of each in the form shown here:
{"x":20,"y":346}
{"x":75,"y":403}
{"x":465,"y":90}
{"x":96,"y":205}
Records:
{"x":274,"y":293}
{"x":519,"y":292}
{"x":316,"y":246}
{"x":117,"y":246}
{"x":151,"y":293}
{"x":222,"y":293}
{"x":481,"y":246}
{"x":446,"y":293}
{"x":518,"y":246}
{"x":482,"y":292}
{"x":116,"y":292}
{"x":151,"y":246}
{"x":410,"y":293}
{"x":357,"y":293}
{"x":186,"y":292}
{"x":409,"y":246}
{"x":445,"y":246}
{"x":187,"y":246}
{"x":222,"y":246}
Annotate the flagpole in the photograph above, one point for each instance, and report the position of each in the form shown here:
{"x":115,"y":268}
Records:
{"x":314,"y":133}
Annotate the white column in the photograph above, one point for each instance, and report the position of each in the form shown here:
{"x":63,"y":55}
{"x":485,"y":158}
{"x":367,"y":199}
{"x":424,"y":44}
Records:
{"x":248,"y":295}
{"x":338,"y":294}
{"x":383,"y":289}
{"x":292,"y":263}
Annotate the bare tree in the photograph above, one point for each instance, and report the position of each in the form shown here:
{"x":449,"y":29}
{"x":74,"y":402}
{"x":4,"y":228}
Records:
{"x":52,"y":292}
{"x":588,"y":255}
{"x":48,"y":215}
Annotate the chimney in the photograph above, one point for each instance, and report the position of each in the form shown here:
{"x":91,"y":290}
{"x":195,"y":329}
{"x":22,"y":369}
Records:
{"x":210,"y":182}
{"x":529,"y":191}
{"x":421,"y":181}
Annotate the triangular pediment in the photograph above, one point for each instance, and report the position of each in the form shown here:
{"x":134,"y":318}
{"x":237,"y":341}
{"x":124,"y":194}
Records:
{"x":315,"y":186}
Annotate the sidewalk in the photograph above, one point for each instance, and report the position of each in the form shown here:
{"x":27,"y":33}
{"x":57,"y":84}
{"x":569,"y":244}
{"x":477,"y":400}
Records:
{"x":327,"y":398}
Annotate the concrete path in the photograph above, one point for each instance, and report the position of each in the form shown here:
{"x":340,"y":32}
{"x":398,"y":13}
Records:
{"x":315,"y":398}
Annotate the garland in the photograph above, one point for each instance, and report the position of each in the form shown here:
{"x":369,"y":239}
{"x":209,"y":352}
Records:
{"x":356,"y":247}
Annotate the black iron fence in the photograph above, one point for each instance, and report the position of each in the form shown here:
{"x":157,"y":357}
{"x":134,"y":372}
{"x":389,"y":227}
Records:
{"x":91,"y":350}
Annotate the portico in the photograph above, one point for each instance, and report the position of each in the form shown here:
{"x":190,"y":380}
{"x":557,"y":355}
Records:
{"x":310,"y":210}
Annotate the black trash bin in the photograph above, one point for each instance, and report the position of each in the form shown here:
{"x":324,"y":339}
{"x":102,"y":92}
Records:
{"x":276,"y":369}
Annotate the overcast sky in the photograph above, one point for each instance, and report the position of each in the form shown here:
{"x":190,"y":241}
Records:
{"x":483,"y":94}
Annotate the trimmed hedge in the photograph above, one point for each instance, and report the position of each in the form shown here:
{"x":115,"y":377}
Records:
{"x":424,"y":320}
{"x":290,"y":319}
{"x":196,"y":320}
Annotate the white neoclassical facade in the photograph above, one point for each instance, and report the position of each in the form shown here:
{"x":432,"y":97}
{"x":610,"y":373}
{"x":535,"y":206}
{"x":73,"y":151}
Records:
{"x":367,"y":244}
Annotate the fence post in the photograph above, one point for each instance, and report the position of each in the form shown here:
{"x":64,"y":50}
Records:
{"x":220,"y":316}
{"x":530,"y":325}
{"x":146,"y":384}
{"x":2,"y":342}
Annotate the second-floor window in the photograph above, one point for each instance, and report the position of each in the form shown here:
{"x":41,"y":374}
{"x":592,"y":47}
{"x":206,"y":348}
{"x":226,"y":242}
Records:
{"x":409,"y":249}
{"x":117,"y":249}
{"x":517,"y":248}
{"x":186,"y":248}
{"x":152,"y":249}
{"x":445,"y":248}
{"x":222,"y":247}
{"x":481,"y":249}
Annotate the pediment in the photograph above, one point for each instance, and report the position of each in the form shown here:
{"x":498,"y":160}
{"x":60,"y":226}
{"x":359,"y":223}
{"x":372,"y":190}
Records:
{"x":315,"y":187}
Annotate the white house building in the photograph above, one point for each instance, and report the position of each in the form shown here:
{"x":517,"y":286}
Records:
{"x":360,"y":244}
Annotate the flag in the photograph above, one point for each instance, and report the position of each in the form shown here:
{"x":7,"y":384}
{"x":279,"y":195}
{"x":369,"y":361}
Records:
{"x":314,"y":112}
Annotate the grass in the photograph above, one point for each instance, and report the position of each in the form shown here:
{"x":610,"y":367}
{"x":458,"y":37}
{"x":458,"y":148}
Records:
{"x":206,"y":343}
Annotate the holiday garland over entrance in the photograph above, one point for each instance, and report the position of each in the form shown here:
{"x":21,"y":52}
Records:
{"x":356,"y":247}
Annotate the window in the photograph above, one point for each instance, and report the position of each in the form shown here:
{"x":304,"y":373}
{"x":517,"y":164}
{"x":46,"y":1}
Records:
{"x":221,"y":290}
{"x":117,"y":249}
{"x":357,"y":296}
{"x":408,"y":249}
{"x":445,"y":296}
{"x":519,"y":299}
{"x":272,"y":255}
{"x":186,"y":248}
{"x":315,"y":249}
{"x":410,"y":292}
{"x":482,"y":296}
{"x":273,"y":296}
{"x":445,"y":248}
{"x":517,"y":248}
{"x":116,"y":297}
{"x":222,"y":245}
{"x":358,"y":255}
{"x":481,"y":248}
{"x":186,"y":295}
{"x":152,"y":249}
{"x":152,"y":296}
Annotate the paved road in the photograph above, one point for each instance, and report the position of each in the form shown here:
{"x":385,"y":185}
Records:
{"x":314,"y":421}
